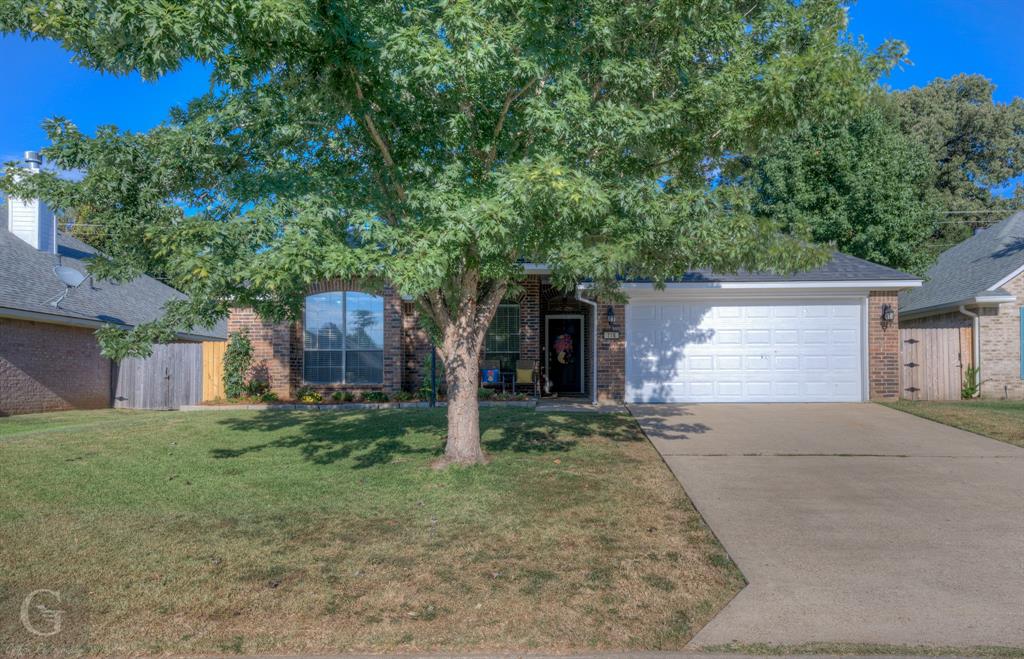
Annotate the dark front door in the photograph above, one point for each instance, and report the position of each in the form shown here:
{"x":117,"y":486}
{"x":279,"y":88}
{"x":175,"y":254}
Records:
{"x":565,"y":355}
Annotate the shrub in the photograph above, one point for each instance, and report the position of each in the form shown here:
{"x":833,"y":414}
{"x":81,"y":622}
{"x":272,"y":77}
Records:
{"x":308,"y":395}
{"x":424,"y":390}
{"x":970,"y":387}
{"x":375,"y":397}
{"x":257,"y":388}
{"x":343,"y":397}
{"x":237,"y":361}
{"x":269,"y":397}
{"x":484,"y":393}
{"x":404,"y":396}
{"x":510,"y":395}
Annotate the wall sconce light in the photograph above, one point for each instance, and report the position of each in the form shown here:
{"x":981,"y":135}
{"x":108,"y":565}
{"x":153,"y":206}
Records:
{"x":611,"y":315}
{"x":888,"y":313}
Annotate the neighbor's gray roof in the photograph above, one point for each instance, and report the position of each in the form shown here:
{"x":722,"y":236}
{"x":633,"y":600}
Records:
{"x":971,"y":268}
{"x":28,"y":284}
{"x":841,"y":268}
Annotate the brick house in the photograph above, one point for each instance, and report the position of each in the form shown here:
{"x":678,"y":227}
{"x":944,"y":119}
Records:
{"x":976,"y":289}
{"x":49,"y":357}
{"x":829,"y":334}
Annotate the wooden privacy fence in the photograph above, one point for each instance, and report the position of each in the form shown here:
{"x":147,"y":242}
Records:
{"x":166,"y":380}
{"x":933,"y":362}
{"x":213,"y":370}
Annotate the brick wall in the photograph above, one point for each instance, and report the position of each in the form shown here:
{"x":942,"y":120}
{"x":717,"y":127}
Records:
{"x":1000,"y":347}
{"x":529,"y":320}
{"x":271,"y":349}
{"x":278,"y":347}
{"x":611,"y":354}
{"x":46,"y":367}
{"x":883,"y":347}
{"x":415,"y":348}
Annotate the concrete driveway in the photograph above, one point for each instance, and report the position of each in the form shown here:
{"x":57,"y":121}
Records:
{"x":853,"y":522}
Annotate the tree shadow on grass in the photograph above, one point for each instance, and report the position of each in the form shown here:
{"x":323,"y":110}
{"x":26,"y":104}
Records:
{"x":367,"y":439}
{"x":552,"y":433}
{"x":373,"y":438}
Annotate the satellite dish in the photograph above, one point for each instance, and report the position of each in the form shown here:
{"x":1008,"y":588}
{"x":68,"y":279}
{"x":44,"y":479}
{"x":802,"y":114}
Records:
{"x":70,"y":277}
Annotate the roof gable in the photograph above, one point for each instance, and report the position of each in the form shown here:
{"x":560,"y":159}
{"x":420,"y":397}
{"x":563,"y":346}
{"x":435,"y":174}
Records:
{"x":978,"y":265}
{"x":28,"y":284}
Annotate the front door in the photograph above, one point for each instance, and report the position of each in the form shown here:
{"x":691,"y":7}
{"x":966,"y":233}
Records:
{"x":565,"y":354}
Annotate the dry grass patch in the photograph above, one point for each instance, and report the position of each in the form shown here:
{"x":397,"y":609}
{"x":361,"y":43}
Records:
{"x":998,"y":419}
{"x":305,"y":532}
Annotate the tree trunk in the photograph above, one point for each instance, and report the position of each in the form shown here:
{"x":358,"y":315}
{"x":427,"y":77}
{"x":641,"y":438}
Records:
{"x":462,"y":342}
{"x":463,"y":445}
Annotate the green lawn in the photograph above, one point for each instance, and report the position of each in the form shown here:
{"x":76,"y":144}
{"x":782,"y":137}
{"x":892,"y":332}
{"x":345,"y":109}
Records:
{"x":998,"y":419}
{"x":305,"y":532}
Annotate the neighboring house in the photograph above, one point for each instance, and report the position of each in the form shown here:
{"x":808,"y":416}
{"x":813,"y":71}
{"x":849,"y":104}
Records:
{"x":829,"y":334}
{"x":49,"y":356}
{"x":976,"y":288}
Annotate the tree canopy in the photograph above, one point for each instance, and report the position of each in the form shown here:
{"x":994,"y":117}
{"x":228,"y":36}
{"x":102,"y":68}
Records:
{"x":860,"y":184}
{"x":435,"y":146}
{"x":977,"y":146}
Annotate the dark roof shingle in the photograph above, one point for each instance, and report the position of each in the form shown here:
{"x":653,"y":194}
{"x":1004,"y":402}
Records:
{"x":28,"y":284}
{"x":972,"y":268}
{"x":841,"y":268}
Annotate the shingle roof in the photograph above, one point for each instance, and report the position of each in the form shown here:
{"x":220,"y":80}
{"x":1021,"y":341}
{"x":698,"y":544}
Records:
{"x":28,"y":284}
{"x":971,"y":268}
{"x":841,"y":268}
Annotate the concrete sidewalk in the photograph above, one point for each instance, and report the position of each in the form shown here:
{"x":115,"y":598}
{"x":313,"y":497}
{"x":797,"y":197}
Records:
{"x":853,"y":523}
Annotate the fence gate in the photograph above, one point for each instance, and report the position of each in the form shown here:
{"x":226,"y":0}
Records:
{"x":169,"y":378}
{"x":213,"y":370}
{"x":932,"y":362}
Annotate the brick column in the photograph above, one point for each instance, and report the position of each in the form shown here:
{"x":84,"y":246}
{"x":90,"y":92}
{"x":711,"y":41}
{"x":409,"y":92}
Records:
{"x":883,"y":347}
{"x":611,"y":354}
{"x":529,"y":320}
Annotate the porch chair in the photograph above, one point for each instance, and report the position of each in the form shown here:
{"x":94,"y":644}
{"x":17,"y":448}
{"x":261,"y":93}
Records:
{"x":526,"y":374}
{"x":490,"y":374}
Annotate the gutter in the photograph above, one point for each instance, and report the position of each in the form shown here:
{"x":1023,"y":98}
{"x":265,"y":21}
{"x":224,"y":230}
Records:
{"x":593,"y":344}
{"x":75,"y":321}
{"x":952,"y":307}
{"x":975,"y":343}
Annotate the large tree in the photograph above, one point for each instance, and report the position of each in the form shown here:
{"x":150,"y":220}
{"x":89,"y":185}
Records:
{"x":435,"y":146}
{"x":860,"y":184}
{"x":977,"y":146}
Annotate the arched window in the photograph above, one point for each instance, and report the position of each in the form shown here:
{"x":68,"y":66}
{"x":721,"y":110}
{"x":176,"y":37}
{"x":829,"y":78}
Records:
{"x":344,"y":339}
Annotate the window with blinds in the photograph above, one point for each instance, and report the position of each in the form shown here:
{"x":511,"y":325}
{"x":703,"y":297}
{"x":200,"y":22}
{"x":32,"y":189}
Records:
{"x":502,"y":339}
{"x":343,"y":340}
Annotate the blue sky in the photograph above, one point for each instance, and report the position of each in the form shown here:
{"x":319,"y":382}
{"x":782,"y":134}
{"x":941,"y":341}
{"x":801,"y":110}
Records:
{"x":946,"y":37}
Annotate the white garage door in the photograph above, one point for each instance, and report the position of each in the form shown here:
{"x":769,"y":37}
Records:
{"x":744,"y":351}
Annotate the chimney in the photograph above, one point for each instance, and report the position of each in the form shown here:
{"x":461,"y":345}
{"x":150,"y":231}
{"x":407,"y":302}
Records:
{"x":31,"y":219}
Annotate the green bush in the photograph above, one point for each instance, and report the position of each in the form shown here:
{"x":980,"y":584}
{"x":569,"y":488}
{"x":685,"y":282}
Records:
{"x":970,"y":387}
{"x":308,"y":395}
{"x":484,"y":393}
{"x":424,"y":390}
{"x":375,"y":397}
{"x":269,"y":397}
{"x":343,"y":397}
{"x":257,"y":388}
{"x":404,"y":396}
{"x":237,"y":361}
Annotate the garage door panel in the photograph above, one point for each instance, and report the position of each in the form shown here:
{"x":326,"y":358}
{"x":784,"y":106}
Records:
{"x":758,"y":337}
{"x":754,"y":351}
